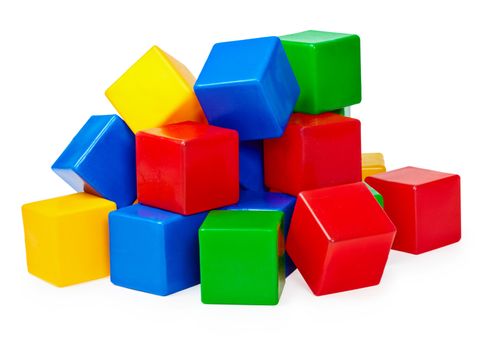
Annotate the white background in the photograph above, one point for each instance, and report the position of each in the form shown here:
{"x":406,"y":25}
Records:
{"x":426,"y":90}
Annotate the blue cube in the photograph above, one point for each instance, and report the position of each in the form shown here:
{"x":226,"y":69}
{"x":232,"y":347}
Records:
{"x":251,"y":200}
{"x":101,"y":160}
{"x":153,"y":250}
{"x":249,"y":86}
{"x":251,"y":169}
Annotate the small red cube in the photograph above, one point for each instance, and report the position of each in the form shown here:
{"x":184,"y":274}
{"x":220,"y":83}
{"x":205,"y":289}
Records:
{"x":339,"y":238}
{"x":187,"y":167}
{"x":315,"y":151}
{"x":423,"y":204}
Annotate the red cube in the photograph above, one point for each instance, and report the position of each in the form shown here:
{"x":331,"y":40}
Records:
{"x":187,"y":167}
{"x":339,"y":238}
{"x":423,"y":204}
{"x":315,"y":151}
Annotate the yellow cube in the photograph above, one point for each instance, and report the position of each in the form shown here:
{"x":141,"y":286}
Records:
{"x":371,"y":164}
{"x":67,"y":238}
{"x":155,"y":91}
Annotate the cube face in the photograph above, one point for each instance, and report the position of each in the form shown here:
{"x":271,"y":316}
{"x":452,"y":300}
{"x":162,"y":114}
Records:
{"x":252,"y":200}
{"x":314,"y":152}
{"x":423,"y":204}
{"x":154,"y":251}
{"x":340,"y":238}
{"x":251,"y":160}
{"x":101,"y":160}
{"x":327,"y":67}
{"x":187,"y":168}
{"x":242,"y":257}
{"x":371,"y":164}
{"x":249,"y":86}
{"x":155,"y":91}
{"x":67,"y":238}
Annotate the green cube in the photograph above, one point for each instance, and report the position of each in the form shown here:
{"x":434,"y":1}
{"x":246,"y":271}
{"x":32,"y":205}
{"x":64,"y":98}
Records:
{"x":377,"y":195}
{"x":327,"y":67}
{"x":242,"y":257}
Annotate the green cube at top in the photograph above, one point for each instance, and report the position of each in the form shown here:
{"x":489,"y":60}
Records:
{"x":377,"y":195}
{"x":327,"y":67}
{"x":242,"y":257}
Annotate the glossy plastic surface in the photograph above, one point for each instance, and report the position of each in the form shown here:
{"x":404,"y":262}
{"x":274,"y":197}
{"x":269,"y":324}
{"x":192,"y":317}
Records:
{"x":242,"y":257}
{"x":314,"y":152}
{"x":251,"y":200}
{"x":251,"y":159}
{"x":371,"y":164}
{"x":155,"y":91}
{"x":249,"y":86}
{"x":67,"y":238}
{"x":423,"y":204}
{"x":153,"y":250}
{"x":327,"y":67}
{"x":101,"y":160}
{"x":187,"y":167}
{"x":339,"y":238}
{"x":377,"y":195}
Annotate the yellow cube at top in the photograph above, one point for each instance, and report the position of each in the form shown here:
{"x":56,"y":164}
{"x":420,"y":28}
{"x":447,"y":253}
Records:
{"x":155,"y":91}
{"x":371,"y":164}
{"x":67,"y":238}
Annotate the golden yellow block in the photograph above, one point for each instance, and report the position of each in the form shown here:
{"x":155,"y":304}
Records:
{"x":155,"y":91}
{"x":371,"y":164}
{"x":67,"y":238}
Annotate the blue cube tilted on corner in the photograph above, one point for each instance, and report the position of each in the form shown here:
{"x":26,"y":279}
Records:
{"x":252,"y":200}
{"x":101,"y":160}
{"x":249,"y":86}
{"x":251,"y":169}
{"x":153,"y":250}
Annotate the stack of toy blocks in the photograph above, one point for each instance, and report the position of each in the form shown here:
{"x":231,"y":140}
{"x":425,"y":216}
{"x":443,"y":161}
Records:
{"x":235,"y":179}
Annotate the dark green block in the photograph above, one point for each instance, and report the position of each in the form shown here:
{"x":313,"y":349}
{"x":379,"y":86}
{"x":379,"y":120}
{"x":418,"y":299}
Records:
{"x":377,"y":195}
{"x":242,"y":257}
{"x":327,"y":67}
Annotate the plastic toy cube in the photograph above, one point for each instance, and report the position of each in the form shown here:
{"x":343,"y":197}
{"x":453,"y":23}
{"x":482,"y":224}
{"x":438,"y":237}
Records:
{"x":340,"y":238}
{"x":251,"y":169}
{"x":155,"y":91}
{"x":314,"y":152}
{"x":101,"y":160}
{"x":153,"y":250}
{"x":249,"y":86}
{"x":253,"y":200}
{"x":67,"y":238}
{"x":242,"y":257}
{"x":327,"y":67}
{"x":371,"y":164}
{"x":423,"y":204}
{"x":187,"y":167}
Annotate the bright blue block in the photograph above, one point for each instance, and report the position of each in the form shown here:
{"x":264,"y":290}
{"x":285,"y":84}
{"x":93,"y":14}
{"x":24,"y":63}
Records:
{"x":249,"y":86}
{"x":153,"y":250}
{"x":250,"y":200}
{"x":101,"y":160}
{"x":251,"y":165}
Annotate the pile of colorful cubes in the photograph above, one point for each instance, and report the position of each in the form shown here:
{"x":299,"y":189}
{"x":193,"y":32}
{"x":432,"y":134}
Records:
{"x":235,"y":179}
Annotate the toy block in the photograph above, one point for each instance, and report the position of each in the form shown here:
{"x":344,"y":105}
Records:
{"x":155,"y":91}
{"x":252,"y":200}
{"x":251,"y":169}
{"x":327,"y":68}
{"x":249,"y":86}
{"x":187,"y":167}
{"x":340,"y":238}
{"x":377,"y":195}
{"x":101,"y":160}
{"x":153,"y":250}
{"x":371,"y":164}
{"x":67,"y":238}
{"x":423,"y":204}
{"x":314,"y":152}
{"x":242,"y":257}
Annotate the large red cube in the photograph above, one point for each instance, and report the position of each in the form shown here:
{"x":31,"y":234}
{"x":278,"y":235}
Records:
{"x":423,"y":204}
{"x":315,"y":151}
{"x":187,"y":167}
{"x":339,"y":238}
